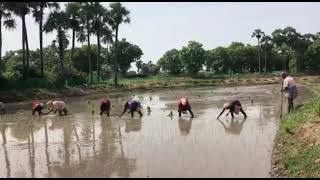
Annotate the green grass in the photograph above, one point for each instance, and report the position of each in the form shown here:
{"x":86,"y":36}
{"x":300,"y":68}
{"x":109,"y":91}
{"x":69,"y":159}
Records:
{"x":298,"y":156}
{"x":163,"y":80}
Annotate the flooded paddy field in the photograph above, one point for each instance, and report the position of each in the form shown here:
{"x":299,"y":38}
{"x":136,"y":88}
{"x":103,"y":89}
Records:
{"x":83,"y":144}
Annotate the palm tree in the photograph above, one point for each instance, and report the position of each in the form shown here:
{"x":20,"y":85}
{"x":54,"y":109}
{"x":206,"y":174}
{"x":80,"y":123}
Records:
{"x":258,"y":34}
{"x":57,"y":21}
{"x":118,"y":15}
{"x":87,"y":14}
{"x":139,"y":65}
{"x":9,"y":23}
{"x":38,"y":8}
{"x":21,"y":9}
{"x":100,"y":28}
{"x":267,"y":45}
{"x":73,"y":9}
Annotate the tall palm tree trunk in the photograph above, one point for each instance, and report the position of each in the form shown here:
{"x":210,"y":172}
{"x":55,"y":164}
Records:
{"x":259,"y":56}
{"x":0,"y":43}
{"x":41,"y":40}
{"x":27,"y":44}
{"x":61,"y":53}
{"x":116,"y":59}
{"x":73,"y":42}
{"x":72,"y":49}
{"x":98,"y":55}
{"x":265,"y":62}
{"x":89,"y":51}
{"x":23,"y":53}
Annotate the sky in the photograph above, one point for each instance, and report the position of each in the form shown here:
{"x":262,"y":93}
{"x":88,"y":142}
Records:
{"x":157,"y":27}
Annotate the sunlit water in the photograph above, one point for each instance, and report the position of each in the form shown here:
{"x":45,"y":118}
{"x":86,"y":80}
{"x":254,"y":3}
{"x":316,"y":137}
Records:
{"x":86,"y":145}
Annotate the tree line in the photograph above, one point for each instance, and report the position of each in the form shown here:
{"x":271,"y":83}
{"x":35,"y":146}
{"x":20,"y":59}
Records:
{"x":285,"y":49}
{"x":84,"y":19}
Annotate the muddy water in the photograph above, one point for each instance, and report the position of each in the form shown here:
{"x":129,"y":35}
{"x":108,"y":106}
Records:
{"x":87,"y":145}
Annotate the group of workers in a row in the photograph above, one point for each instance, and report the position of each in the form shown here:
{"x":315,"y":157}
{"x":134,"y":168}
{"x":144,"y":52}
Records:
{"x":234,"y":106}
{"x":132,"y":106}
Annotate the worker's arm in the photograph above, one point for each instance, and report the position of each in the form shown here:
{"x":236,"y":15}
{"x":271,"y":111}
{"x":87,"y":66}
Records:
{"x":242,"y":111}
{"x":124,"y":110}
{"x":285,"y":86}
{"x":190,"y":111}
{"x":221,"y":113}
{"x":284,"y":89}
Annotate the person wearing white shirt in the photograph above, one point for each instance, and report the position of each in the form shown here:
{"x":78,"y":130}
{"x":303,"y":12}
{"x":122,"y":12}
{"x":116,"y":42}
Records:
{"x":290,"y":89}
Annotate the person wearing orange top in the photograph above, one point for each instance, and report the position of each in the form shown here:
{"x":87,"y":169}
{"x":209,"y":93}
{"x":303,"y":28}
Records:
{"x":37,"y":107}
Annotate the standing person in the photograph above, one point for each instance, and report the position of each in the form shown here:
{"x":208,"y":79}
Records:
{"x":290,"y":89}
{"x":183,"y":106}
{"x":54,"y":106}
{"x":105,"y":106}
{"x":2,"y":107}
{"x":234,"y":106}
{"x":133,"y":105}
{"x":37,"y":107}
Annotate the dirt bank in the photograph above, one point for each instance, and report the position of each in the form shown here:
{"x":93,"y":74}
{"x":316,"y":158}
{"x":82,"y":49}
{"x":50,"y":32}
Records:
{"x":296,"y":132}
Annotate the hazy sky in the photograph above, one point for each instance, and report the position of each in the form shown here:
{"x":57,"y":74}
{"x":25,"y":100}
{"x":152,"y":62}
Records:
{"x":160,"y":26}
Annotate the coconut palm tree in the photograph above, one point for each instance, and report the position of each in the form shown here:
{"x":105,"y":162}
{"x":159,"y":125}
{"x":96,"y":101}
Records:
{"x":139,"y":65}
{"x":37,"y":9}
{"x":73,"y":11}
{"x":258,"y":34}
{"x":58,"y":21}
{"x":21,"y":9}
{"x":267,"y":46}
{"x":118,"y":15}
{"x":9,"y":23}
{"x":101,"y":29}
{"x":87,"y":13}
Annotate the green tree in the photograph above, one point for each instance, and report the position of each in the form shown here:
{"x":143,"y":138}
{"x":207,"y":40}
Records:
{"x":139,"y":65}
{"x":170,"y":62}
{"x":192,"y":57}
{"x":58,"y":21}
{"x":73,"y":11}
{"x":38,"y":8}
{"x":21,"y":9}
{"x":80,"y":61}
{"x":218,"y":60}
{"x":266,"y":45}
{"x":258,"y":34}
{"x":87,"y":14}
{"x":280,"y":41}
{"x":149,"y":69}
{"x":101,"y":29}
{"x":8,"y":22}
{"x":127,"y":54}
{"x":313,"y":57}
{"x":118,"y":15}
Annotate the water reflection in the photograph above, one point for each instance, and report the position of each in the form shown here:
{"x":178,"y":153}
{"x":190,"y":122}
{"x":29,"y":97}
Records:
{"x":185,"y":126}
{"x":3,"y":129}
{"x":133,"y":125}
{"x":48,"y":164}
{"x":85,"y":145}
{"x":235,"y":126}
